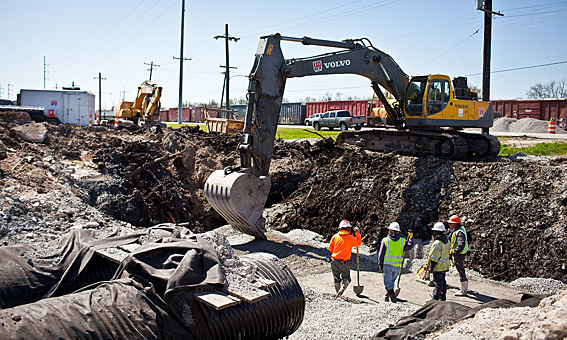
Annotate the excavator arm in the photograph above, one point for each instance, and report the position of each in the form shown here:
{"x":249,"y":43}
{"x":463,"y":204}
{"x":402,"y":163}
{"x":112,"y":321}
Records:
{"x":239,"y":195}
{"x":268,"y":78}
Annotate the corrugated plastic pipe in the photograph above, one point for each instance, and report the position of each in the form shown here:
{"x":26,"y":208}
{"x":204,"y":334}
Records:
{"x":276,"y":317}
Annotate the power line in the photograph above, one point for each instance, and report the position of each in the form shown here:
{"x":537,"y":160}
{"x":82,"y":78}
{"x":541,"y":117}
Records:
{"x":449,"y":50}
{"x":520,"y":68}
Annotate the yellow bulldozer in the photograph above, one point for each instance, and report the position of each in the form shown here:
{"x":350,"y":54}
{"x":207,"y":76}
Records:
{"x":144,"y":110}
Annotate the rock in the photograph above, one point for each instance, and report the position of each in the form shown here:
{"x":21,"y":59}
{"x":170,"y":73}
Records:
{"x":32,"y":132}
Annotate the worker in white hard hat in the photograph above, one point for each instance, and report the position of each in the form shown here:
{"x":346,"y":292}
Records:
{"x":439,"y":261}
{"x":341,"y":248}
{"x":392,"y":250}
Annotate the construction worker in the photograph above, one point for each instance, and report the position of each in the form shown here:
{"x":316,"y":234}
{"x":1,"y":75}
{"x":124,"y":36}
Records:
{"x":439,"y":261}
{"x":459,"y":250}
{"x":341,"y":248}
{"x":392,"y":249}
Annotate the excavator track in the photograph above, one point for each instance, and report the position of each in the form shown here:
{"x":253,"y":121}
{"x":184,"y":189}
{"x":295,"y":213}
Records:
{"x":450,"y":145}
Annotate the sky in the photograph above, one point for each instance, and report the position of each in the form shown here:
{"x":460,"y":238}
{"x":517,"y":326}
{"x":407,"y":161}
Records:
{"x":51,"y":44}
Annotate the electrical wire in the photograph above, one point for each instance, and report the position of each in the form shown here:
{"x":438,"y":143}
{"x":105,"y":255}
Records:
{"x":447,"y":51}
{"x":520,"y":68}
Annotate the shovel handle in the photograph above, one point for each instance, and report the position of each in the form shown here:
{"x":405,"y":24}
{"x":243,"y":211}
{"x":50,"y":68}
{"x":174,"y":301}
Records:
{"x":357,"y":268}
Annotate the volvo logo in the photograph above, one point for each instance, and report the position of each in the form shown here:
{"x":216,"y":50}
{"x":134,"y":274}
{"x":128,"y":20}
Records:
{"x":335,"y":64}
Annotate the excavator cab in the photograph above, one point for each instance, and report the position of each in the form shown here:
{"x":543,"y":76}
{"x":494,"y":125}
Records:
{"x":432,"y":102}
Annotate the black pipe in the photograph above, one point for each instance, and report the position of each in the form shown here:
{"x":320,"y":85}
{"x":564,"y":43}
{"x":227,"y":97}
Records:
{"x":275,"y":317}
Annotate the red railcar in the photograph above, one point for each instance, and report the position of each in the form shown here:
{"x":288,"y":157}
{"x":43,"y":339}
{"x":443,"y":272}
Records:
{"x":543,"y":109}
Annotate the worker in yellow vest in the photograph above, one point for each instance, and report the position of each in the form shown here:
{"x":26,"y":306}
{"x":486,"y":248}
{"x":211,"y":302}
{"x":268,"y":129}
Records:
{"x":459,"y":250}
{"x":392,"y":249}
{"x":439,"y":261}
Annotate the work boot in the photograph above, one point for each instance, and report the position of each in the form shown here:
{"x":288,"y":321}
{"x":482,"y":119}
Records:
{"x":337,"y":287}
{"x":386,"y":297}
{"x":344,"y":286}
{"x":392,"y":296}
{"x":464,"y":289}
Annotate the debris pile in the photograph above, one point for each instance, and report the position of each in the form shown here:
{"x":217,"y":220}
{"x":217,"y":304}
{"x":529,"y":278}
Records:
{"x":539,"y":322}
{"x":515,"y":209}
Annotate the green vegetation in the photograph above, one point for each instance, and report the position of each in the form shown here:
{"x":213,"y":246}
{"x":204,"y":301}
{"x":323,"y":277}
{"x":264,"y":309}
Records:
{"x":293,"y":133}
{"x":540,"y":149}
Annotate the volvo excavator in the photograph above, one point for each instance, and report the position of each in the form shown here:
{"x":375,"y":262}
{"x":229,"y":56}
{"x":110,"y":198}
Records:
{"x":428,"y":113}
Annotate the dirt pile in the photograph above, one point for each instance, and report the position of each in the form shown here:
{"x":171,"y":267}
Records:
{"x":514,"y":323}
{"x":515,"y":210}
{"x":529,"y":125}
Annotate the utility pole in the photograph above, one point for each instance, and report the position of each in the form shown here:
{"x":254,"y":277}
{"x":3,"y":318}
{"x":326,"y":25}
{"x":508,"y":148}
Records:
{"x":181,"y":60}
{"x":227,"y":67}
{"x":99,"y":95}
{"x":44,"y":72}
{"x":152,"y":65}
{"x":486,"y":7}
{"x":123,"y":93}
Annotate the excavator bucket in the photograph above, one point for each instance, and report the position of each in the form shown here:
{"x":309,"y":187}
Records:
{"x":239,"y":197}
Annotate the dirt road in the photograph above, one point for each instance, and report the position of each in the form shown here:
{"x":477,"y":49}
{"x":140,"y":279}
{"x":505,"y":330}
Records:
{"x":308,"y":257}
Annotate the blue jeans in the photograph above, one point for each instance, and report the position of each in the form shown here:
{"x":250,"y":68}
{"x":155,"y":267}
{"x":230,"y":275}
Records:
{"x":390,"y":275}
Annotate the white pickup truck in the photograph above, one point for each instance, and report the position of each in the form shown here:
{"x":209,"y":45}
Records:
{"x":338,"y":119}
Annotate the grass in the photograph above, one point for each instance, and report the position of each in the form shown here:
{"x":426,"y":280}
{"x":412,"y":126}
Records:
{"x":293,"y":133}
{"x":540,"y":149}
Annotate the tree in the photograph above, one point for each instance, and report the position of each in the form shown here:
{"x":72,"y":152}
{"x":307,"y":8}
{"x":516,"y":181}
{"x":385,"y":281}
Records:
{"x":553,"y":89}
{"x":327,"y":97}
{"x":475,"y":88}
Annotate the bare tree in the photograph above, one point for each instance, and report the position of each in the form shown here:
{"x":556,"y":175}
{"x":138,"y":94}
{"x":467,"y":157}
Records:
{"x":327,"y":97}
{"x":553,"y":89}
{"x":338,"y":95}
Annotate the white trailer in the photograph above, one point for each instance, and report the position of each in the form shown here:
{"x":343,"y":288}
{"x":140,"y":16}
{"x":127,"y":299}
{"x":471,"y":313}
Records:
{"x":72,"y":107}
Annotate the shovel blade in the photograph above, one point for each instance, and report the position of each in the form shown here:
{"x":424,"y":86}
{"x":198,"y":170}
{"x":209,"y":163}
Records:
{"x":357,"y":289}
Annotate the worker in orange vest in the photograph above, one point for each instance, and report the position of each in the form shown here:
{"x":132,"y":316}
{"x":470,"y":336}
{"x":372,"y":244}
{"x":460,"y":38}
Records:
{"x":341,"y":249}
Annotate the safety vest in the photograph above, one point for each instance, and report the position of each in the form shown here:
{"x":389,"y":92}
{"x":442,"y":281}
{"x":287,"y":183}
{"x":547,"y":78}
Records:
{"x":454,"y":240}
{"x":439,"y":252}
{"x":394,"y":251}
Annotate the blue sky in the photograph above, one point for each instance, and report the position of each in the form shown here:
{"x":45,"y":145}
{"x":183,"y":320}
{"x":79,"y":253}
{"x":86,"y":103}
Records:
{"x":79,"y":39}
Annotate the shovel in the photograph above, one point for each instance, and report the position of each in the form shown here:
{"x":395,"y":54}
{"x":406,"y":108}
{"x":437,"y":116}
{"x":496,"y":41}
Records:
{"x":358,"y":288}
{"x":398,"y":289}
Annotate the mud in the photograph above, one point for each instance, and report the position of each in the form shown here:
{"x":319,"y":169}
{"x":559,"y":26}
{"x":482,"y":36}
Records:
{"x":514,"y":208}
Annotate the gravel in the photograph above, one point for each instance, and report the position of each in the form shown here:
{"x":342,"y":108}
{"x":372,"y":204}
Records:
{"x":538,"y":285}
{"x":522,"y":125}
{"x":357,"y":320}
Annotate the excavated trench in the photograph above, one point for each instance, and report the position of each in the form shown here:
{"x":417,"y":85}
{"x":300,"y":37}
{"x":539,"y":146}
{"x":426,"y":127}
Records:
{"x":514,"y":209}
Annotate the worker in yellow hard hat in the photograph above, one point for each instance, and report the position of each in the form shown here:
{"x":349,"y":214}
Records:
{"x":341,"y":248}
{"x":459,"y":250}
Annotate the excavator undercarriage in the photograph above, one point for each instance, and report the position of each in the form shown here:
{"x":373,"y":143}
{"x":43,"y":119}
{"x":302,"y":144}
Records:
{"x":446,"y":144}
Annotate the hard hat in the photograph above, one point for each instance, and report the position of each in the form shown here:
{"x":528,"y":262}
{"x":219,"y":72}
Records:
{"x":454,"y":219}
{"x":438,"y":226}
{"x":344,"y":224}
{"x":394,"y":226}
